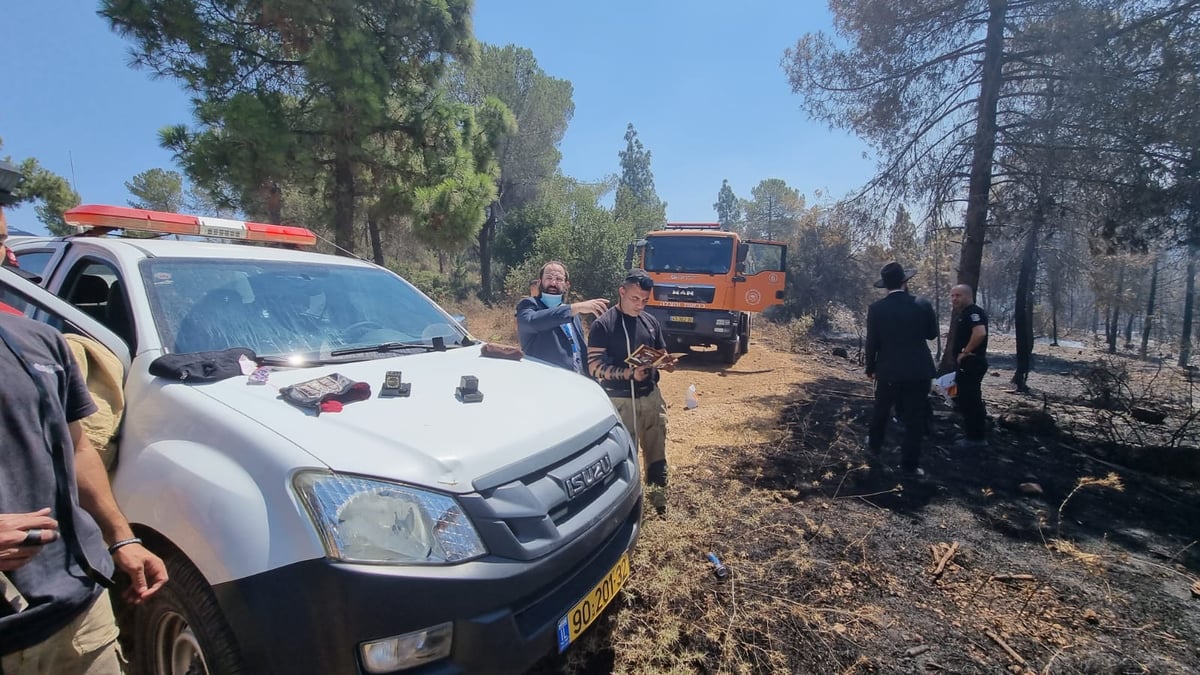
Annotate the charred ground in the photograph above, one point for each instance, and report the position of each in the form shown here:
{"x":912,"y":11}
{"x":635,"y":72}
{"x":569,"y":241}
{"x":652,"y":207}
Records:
{"x":1045,"y":553}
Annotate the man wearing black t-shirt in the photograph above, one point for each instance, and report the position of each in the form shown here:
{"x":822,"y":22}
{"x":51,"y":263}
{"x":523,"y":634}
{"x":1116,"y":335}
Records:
{"x":970,"y":342}
{"x":634,"y":392}
{"x":61,"y":532}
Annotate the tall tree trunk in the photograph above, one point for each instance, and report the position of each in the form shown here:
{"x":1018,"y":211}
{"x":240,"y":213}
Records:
{"x":376,"y":241}
{"x":1149,"y":323}
{"x":1054,"y":286}
{"x":273,"y":198}
{"x":979,"y":184}
{"x":343,"y":204}
{"x":486,"y":237}
{"x":1185,"y":340}
{"x":937,"y":287}
{"x":1129,"y":331}
{"x":1024,"y":303}
{"x":1114,"y":327}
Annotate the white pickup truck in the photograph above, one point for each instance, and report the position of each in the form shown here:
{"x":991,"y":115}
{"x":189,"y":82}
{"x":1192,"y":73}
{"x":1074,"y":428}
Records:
{"x":428,"y":533}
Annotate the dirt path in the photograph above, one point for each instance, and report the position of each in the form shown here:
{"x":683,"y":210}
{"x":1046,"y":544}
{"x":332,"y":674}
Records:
{"x":738,"y":405}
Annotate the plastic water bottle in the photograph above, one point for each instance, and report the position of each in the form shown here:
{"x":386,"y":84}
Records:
{"x":719,"y":570}
{"x":689,"y":399}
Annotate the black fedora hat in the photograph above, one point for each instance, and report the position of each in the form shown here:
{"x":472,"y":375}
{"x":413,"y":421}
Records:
{"x":893,"y":276}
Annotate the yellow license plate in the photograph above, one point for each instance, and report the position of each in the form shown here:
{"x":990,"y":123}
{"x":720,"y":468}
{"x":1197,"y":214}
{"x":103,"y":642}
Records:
{"x":683,"y":319}
{"x":582,"y":615}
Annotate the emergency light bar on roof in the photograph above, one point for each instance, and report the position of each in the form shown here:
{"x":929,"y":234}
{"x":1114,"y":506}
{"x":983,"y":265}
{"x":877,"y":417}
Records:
{"x":693,"y":226}
{"x":126,"y":218}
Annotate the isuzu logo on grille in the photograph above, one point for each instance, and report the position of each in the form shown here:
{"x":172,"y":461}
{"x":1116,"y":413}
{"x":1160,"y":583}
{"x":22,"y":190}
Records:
{"x":578,"y":482}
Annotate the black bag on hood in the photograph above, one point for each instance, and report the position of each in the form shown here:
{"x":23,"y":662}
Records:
{"x":201,"y":366}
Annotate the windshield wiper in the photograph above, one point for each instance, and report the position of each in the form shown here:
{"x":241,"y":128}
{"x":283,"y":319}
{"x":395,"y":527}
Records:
{"x":385,"y":347}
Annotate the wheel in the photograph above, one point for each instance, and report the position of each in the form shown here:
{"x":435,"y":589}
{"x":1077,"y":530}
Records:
{"x":728,"y":351}
{"x":180,"y":630}
{"x":744,"y":336}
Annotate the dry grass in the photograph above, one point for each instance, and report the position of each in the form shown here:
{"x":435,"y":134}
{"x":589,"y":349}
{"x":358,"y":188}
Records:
{"x":497,"y":323}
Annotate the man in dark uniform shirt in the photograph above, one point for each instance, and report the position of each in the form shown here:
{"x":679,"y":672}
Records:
{"x":898,"y":360}
{"x":970,"y":343}
{"x":634,"y":391}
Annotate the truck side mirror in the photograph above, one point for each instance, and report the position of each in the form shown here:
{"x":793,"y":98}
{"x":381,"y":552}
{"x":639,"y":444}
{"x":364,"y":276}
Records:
{"x":629,"y":256}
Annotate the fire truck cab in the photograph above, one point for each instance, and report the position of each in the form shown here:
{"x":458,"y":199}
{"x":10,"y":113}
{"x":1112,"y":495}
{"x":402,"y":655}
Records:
{"x":708,"y":282}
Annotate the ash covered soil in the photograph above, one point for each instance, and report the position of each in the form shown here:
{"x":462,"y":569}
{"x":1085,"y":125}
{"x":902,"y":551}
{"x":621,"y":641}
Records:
{"x":1061,"y":548}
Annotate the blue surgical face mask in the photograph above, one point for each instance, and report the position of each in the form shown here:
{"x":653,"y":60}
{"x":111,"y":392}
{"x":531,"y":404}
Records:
{"x":551,"y":301}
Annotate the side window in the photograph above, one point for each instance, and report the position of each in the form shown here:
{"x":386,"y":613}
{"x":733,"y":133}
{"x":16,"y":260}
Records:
{"x":95,"y":287}
{"x":763,"y":257}
{"x":34,"y":261}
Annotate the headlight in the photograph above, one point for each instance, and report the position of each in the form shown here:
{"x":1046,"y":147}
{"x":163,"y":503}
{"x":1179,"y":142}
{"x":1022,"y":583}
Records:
{"x":722,"y":322}
{"x":373,"y":521}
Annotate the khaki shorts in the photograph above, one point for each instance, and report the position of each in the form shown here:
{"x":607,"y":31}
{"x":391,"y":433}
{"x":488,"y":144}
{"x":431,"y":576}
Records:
{"x":651,"y":424}
{"x":86,"y":646}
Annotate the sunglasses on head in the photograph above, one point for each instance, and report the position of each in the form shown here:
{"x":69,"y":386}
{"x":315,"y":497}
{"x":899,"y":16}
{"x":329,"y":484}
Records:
{"x":644,"y":282}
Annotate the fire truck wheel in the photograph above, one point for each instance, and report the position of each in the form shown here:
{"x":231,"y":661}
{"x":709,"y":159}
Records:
{"x":729,"y":352}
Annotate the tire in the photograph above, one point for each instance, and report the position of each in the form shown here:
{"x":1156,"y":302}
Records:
{"x":744,"y":335}
{"x":728,"y":351}
{"x":180,"y":630}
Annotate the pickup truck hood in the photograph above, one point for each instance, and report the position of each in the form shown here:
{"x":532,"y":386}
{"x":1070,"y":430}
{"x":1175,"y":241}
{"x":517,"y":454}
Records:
{"x":429,"y":438}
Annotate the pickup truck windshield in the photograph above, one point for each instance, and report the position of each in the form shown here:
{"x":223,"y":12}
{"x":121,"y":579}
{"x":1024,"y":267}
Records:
{"x":281,"y":308}
{"x":690,"y":254}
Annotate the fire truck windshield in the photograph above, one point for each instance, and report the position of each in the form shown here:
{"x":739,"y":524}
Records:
{"x":691,"y":254}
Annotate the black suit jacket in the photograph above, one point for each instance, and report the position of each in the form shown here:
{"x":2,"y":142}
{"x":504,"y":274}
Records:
{"x":897,"y":329}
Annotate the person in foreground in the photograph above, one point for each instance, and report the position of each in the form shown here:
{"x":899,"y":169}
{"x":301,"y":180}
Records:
{"x":898,"y":360}
{"x":970,"y":341}
{"x":550,"y":329}
{"x":634,"y":391}
{"x":61,"y":533}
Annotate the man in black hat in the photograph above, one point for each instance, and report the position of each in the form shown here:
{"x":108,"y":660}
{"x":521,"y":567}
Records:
{"x":898,"y":360}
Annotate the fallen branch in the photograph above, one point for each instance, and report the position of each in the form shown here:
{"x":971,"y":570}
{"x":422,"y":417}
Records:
{"x":941,"y":566}
{"x":1013,"y":577}
{"x":1004,"y":645}
{"x":916,"y":651}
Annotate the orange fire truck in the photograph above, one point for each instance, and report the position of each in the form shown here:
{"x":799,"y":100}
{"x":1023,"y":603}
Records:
{"x":707,"y":282}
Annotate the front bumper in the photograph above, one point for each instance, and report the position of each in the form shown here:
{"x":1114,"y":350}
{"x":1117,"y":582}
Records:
{"x":688,"y":327}
{"x":311,"y":617}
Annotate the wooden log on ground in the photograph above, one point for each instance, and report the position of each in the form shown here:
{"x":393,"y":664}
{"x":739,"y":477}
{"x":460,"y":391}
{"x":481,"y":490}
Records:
{"x":1013,"y":577}
{"x":1004,"y":645}
{"x":941,"y":566}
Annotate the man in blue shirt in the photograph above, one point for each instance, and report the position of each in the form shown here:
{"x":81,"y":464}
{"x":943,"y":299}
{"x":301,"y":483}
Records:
{"x":551,"y":330}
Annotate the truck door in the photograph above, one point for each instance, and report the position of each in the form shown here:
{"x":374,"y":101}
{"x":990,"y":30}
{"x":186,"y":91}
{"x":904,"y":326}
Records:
{"x":762,"y":278}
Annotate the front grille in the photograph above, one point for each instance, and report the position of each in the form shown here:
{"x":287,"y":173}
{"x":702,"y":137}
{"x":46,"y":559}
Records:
{"x":684,"y":293}
{"x":530,"y":515}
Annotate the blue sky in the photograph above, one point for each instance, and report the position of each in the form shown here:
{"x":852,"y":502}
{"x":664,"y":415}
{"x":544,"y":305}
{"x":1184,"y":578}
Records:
{"x":700,"y":80}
